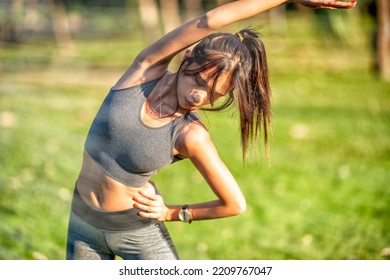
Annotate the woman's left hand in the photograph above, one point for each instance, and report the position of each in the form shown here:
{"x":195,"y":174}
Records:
{"x":152,"y":205}
{"x":327,"y":4}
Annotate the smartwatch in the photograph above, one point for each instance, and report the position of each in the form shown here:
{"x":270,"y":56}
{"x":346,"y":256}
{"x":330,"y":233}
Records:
{"x":184,"y":214}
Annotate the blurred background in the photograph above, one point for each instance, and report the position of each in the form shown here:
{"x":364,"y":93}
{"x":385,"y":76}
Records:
{"x":324,"y":194}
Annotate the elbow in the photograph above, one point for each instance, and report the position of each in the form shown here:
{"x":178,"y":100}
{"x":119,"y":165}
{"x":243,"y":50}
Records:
{"x":239,"y":207}
{"x":142,"y":61}
{"x":242,"y":206}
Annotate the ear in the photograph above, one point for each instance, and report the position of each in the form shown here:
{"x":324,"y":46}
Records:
{"x":187,"y":53}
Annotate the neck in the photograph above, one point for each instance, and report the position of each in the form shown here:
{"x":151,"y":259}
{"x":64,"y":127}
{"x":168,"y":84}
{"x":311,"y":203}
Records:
{"x":162,"y":102}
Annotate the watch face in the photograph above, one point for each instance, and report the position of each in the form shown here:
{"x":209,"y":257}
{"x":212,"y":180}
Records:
{"x":184,"y":216}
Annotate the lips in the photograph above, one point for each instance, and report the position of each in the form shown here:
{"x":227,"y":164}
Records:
{"x":189,"y":103}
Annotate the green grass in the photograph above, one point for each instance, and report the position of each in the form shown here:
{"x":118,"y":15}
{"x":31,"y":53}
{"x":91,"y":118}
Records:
{"x":325,"y":194}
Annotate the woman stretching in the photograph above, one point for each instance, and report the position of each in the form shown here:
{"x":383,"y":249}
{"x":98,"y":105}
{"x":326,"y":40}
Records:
{"x":148,"y":120}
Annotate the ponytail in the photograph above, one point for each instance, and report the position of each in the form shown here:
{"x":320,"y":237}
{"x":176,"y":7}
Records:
{"x":254,"y":92}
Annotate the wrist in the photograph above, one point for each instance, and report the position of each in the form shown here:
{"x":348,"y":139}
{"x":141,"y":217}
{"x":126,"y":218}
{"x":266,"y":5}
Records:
{"x":185,"y":214}
{"x":172,"y":213}
{"x":164,"y":215}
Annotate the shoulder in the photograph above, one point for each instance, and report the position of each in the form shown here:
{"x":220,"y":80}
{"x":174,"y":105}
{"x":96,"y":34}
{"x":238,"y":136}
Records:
{"x":194,"y":138}
{"x":195,"y":128}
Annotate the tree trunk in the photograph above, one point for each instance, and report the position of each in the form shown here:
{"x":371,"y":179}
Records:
{"x":383,"y":39}
{"x":32,"y":19}
{"x":192,"y":9}
{"x":61,"y":28}
{"x":8,"y":28}
{"x":149,"y":18}
{"x":170,"y":14}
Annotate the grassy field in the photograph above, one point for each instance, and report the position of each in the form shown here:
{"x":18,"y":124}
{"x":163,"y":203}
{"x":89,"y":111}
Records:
{"x":325,"y":194}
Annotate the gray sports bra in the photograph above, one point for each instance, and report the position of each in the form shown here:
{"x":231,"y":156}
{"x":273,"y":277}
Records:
{"x":127,"y":149}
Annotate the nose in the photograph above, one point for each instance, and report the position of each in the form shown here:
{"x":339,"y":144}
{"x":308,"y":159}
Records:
{"x":198,"y":97}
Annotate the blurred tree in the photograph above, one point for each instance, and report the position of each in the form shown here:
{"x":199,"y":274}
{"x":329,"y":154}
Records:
{"x":61,"y":28}
{"x":383,"y":40}
{"x":32,"y":19}
{"x":8,"y":28}
{"x":170,"y":14}
{"x":379,"y":11}
{"x":192,"y":9}
{"x":150,"y":18}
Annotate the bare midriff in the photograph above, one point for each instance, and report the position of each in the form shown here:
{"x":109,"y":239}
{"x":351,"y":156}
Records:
{"x":102,"y":192}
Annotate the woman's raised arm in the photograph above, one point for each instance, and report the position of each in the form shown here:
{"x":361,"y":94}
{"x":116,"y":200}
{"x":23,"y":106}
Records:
{"x":153,"y":61}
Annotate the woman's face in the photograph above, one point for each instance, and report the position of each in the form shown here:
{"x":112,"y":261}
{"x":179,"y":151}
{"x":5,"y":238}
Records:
{"x":196,"y":90}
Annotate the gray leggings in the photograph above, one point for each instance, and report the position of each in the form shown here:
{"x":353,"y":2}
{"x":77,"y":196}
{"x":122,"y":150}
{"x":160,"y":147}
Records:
{"x":96,"y":235}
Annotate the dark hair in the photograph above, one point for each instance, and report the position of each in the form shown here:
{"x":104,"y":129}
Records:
{"x":243,"y":56}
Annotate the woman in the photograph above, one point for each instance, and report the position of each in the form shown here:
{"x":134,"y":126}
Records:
{"x":148,"y":120}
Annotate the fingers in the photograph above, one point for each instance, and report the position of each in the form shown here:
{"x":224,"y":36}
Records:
{"x":333,"y":5}
{"x":152,"y":205}
{"x":149,"y":195}
{"x":328,"y":4}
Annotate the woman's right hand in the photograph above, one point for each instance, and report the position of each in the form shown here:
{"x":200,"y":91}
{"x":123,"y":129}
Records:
{"x":327,"y":4}
{"x":151,"y":204}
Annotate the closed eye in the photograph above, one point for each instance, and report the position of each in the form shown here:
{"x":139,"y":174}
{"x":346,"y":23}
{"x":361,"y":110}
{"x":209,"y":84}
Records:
{"x":199,"y":81}
{"x":203,"y":84}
